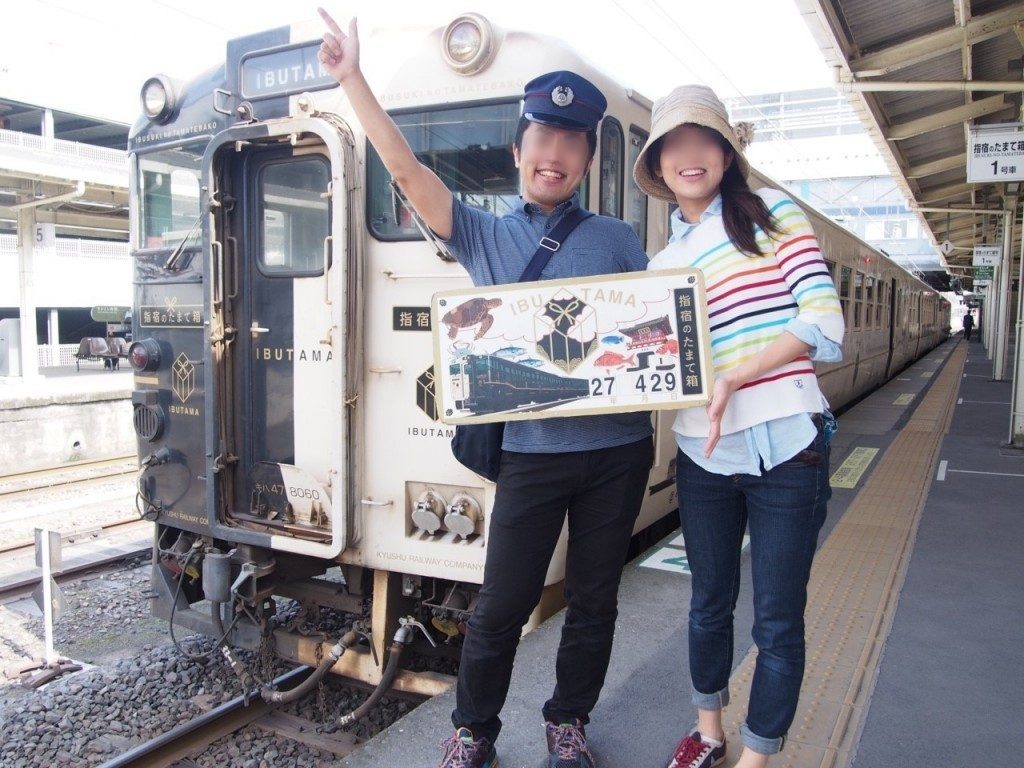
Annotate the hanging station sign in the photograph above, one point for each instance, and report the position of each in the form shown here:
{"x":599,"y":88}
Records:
{"x":986,"y":256}
{"x":995,"y":153}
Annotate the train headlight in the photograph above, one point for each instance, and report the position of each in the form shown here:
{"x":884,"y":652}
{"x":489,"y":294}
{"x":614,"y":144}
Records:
{"x":158,"y":98}
{"x":144,"y":355}
{"x":468,"y":44}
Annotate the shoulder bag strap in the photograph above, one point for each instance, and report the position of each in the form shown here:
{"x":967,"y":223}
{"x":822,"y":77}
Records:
{"x":551,"y":243}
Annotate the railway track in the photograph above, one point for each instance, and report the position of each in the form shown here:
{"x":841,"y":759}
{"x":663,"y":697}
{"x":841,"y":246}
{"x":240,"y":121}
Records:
{"x":177,"y":746}
{"x":21,"y":580}
{"x":16,"y":548}
{"x":83,"y":473}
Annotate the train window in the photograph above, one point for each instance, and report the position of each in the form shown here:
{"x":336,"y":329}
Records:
{"x":637,"y":211}
{"x":470,"y":148}
{"x":844,"y":292}
{"x":610,"y":197}
{"x":858,"y":298}
{"x":169,"y":196}
{"x":295,"y":216}
{"x":869,"y":301}
{"x":831,"y":267}
{"x":883,"y":301}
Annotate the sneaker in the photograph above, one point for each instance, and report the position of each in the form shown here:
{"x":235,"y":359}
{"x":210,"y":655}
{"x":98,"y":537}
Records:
{"x":461,"y":750}
{"x":694,"y":753}
{"x":567,"y":746}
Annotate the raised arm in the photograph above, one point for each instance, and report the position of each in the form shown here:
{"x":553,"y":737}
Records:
{"x":339,"y":54}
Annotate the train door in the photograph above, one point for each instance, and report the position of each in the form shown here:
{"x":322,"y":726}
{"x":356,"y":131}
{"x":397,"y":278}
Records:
{"x":892,"y":328}
{"x":282,"y":395}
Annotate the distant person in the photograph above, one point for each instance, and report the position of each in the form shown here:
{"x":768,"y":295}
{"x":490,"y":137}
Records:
{"x":593,"y":469}
{"x":968,"y":325}
{"x":758,"y":454}
{"x":111,"y":360}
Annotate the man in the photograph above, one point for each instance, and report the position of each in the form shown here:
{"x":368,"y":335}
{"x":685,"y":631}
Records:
{"x":594,"y":468}
{"x":968,"y":326}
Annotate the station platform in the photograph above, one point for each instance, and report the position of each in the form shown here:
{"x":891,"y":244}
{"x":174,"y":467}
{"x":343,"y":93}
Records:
{"x":915,"y":645}
{"x":66,"y":385}
{"x":64,"y":416}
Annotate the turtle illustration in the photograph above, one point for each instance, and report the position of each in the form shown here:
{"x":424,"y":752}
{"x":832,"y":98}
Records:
{"x":470,"y":313}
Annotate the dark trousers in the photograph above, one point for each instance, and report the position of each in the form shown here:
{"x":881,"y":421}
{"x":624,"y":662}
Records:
{"x":785,"y":508}
{"x":601,"y":491}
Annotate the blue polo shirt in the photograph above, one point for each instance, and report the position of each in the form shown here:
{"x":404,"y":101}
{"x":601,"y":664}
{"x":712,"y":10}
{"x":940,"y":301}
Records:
{"x":496,"y":249}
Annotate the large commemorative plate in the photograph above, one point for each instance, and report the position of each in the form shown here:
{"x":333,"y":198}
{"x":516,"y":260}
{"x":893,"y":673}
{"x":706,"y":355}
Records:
{"x":606,"y":344}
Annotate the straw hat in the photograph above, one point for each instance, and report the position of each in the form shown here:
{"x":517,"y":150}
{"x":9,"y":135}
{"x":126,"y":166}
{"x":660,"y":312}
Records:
{"x":686,"y":104}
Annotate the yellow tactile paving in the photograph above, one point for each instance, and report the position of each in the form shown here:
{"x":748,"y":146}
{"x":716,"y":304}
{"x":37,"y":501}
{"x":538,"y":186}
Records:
{"x":854,"y":588}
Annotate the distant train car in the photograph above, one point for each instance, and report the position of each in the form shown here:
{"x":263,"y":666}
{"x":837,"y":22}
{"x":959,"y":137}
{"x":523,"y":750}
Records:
{"x":284,"y":398}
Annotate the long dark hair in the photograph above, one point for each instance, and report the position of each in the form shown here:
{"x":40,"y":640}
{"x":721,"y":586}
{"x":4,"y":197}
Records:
{"x":742,"y":210}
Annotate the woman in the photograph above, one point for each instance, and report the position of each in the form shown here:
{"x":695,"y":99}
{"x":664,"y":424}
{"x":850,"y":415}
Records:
{"x":758,"y":455}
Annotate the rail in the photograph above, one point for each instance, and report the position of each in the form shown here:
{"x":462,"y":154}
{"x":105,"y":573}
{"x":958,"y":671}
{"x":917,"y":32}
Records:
{"x":190,"y":738}
{"x":22,"y":483}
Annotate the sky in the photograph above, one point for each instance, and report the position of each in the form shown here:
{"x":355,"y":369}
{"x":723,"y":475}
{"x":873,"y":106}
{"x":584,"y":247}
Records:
{"x":92,"y":57}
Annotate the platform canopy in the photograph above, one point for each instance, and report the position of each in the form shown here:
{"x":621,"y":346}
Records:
{"x":72,"y":170}
{"x":921,"y":74}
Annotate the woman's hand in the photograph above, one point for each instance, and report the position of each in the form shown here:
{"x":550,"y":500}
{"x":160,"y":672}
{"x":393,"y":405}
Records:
{"x":339,"y":53}
{"x":784,"y":349}
{"x":720,"y":394}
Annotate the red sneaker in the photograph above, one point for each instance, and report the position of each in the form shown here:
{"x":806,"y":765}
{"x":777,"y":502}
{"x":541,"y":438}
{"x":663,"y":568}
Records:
{"x":694,"y":753}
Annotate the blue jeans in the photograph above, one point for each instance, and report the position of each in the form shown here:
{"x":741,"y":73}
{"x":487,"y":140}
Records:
{"x":784,"y":508}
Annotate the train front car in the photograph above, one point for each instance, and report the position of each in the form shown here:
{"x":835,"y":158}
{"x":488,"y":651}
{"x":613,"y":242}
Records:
{"x":284,"y":384}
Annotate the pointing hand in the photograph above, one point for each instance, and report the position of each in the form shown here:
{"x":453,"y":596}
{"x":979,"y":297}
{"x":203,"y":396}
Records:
{"x":339,"y":52}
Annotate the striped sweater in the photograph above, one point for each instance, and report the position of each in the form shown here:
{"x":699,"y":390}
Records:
{"x":750,"y":302}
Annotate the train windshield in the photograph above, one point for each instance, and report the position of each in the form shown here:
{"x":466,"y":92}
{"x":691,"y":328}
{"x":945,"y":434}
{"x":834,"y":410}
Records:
{"x":470,"y":148}
{"x":168,"y":194}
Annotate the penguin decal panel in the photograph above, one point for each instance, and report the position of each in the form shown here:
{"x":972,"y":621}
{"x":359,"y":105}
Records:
{"x":602,"y":344}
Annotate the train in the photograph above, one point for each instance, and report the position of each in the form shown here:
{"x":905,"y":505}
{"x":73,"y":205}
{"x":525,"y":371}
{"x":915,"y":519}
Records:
{"x":290,"y":447}
{"x":488,"y":383}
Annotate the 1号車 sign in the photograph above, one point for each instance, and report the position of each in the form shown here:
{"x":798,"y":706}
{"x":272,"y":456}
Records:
{"x":995,"y":153}
{"x":986,"y":256}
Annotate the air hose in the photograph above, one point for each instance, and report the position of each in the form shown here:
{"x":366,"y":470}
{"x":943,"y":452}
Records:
{"x":348,"y":640}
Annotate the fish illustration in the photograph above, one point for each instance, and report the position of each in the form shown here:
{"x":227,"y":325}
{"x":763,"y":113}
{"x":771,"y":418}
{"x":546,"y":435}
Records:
{"x":614,"y":360}
{"x":533,"y":362}
{"x":509,"y":353}
{"x":613,"y":339}
{"x":670,"y":347}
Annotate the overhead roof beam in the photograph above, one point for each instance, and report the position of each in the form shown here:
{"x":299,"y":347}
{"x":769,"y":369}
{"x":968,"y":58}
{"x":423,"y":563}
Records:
{"x":937,"y":43}
{"x":945,"y":119}
{"x":940,"y":165}
{"x":74,"y":220}
{"x":946,"y":192}
{"x":939,"y":222}
{"x":958,"y":235}
{"x":939,"y":227}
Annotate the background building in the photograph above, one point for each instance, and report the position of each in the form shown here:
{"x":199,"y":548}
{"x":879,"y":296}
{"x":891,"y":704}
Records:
{"x":63,"y":225}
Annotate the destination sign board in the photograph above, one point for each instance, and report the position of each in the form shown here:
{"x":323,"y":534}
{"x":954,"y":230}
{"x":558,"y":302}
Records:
{"x":284,"y":71}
